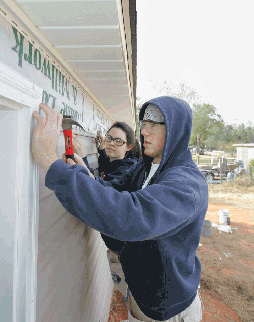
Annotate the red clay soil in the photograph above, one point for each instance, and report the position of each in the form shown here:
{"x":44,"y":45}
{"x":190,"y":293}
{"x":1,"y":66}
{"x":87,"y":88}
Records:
{"x":227,"y":280}
{"x":118,"y":309}
{"x":227,"y":259}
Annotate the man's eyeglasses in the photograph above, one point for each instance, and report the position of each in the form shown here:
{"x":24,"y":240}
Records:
{"x":117,"y":141}
{"x":150,"y":126}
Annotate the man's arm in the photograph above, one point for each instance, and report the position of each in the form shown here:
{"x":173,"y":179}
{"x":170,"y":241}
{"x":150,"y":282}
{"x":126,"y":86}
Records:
{"x":45,"y":138}
{"x":140,"y":215}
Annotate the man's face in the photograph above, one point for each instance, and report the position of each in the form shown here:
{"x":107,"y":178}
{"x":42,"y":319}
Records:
{"x":154,"y":138}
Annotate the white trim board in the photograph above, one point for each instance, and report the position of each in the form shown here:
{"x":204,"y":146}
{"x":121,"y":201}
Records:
{"x":19,"y":95}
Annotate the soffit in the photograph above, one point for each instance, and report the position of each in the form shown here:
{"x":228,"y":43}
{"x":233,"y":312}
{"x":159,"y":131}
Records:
{"x":87,"y":35}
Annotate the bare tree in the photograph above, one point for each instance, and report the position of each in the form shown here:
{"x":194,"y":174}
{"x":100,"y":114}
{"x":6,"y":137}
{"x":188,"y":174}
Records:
{"x":179,"y":90}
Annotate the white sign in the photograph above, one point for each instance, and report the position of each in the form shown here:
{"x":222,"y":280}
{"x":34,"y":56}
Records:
{"x":59,"y":90}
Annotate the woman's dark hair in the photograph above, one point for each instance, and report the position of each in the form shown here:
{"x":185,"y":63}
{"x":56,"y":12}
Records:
{"x":135,"y":152}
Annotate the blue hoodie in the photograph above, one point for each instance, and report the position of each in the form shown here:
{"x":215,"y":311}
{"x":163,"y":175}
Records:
{"x":155,"y":230}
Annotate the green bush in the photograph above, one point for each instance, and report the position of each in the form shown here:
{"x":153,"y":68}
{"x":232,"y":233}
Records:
{"x":251,"y":164}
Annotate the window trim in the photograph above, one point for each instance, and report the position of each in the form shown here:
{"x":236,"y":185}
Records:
{"x":18,"y":93}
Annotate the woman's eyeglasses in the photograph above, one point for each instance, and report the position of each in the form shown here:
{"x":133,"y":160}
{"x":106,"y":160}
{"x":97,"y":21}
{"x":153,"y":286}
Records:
{"x":117,"y":141}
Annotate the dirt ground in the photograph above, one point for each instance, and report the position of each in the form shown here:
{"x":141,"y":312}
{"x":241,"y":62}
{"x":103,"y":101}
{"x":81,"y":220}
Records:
{"x":227,"y":259}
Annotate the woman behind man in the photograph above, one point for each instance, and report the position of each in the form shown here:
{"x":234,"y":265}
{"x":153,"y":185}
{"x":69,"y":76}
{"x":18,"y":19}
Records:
{"x":117,"y":152}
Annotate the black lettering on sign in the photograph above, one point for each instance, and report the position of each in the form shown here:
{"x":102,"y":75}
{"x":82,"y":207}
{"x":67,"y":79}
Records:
{"x":46,"y":68}
{"x":46,"y":97}
{"x":75,"y":92}
{"x":67,"y":88}
{"x":64,"y":83}
{"x":29,"y":57}
{"x":64,"y":110}
{"x":58,"y":81}
{"x":54,"y":77}
{"x":101,"y":117}
{"x":60,"y":90}
{"x":37,"y":59}
{"x":19,"y":45}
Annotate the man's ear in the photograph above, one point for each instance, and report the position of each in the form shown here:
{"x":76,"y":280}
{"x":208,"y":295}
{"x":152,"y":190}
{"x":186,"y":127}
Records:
{"x":129,"y":147}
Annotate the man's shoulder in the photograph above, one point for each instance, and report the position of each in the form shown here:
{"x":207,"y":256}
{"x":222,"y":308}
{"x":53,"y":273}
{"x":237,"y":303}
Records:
{"x":182,"y":173}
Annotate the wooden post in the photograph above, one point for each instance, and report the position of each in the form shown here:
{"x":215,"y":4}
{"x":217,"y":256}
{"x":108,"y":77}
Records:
{"x":198,"y":143}
{"x":220,"y":170}
{"x":198,"y":159}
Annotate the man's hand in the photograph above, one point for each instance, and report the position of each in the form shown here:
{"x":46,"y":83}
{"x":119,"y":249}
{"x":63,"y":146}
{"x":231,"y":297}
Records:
{"x":45,"y":136}
{"x":78,"y":160}
{"x":78,"y":146}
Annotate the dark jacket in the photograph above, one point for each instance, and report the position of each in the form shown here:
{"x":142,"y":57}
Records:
{"x":115,"y":169}
{"x":111,"y":170}
{"x":155,"y":230}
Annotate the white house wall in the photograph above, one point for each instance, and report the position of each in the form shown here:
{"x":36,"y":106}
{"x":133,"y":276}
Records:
{"x":245,"y":153}
{"x":251,"y":153}
{"x":73,"y":277}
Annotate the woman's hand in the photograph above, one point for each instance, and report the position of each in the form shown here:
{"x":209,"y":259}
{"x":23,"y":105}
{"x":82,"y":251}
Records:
{"x":78,"y":146}
{"x":102,"y":145}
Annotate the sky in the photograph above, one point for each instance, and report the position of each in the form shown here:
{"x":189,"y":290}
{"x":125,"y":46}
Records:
{"x":207,"y":44}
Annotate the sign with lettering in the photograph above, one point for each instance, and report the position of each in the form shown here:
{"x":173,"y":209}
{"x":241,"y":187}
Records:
{"x":59,"y":90}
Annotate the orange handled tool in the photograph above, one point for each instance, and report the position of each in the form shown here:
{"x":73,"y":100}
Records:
{"x":67,"y":123}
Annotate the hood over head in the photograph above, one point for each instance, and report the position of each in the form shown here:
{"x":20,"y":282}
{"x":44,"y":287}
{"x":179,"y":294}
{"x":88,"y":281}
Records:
{"x":177,"y":116}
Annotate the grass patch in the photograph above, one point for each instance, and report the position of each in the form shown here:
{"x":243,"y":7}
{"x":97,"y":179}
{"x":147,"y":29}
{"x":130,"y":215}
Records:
{"x":243,"y":184}
{"x":243,"y":181}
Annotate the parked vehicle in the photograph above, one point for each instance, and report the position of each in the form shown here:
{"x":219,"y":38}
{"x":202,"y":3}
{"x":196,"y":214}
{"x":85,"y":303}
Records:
{"x":210,"y":171}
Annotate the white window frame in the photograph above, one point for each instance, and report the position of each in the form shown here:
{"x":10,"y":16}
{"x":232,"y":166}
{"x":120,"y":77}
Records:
{"x":18,"y":93}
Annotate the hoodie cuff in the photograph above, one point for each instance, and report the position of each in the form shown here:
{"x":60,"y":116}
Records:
{"x":59,"y":173}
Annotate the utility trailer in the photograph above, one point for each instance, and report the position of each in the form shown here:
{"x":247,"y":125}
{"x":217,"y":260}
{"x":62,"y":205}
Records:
{"x":212,"y":171}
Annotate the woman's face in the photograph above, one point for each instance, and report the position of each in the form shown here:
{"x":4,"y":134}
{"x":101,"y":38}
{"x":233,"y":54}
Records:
{"x":113,"y":151}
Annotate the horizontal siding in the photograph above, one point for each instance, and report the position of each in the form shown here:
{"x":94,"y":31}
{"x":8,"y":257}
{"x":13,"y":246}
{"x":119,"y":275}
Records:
{"x":61,"y":278}
{"x":74,"y":281}
{"x":53,"y":238}
{"x":98,"y":260}
{"x":76,"y":285}
{"x":50,"y":210}
{"x":43,"y":190}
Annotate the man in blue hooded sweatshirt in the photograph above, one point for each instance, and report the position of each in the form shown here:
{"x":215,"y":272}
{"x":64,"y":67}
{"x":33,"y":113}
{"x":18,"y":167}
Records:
{"x":151,"y":218}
